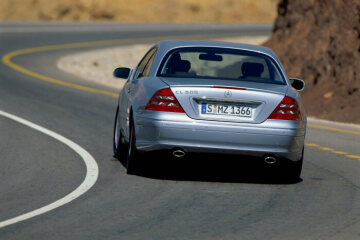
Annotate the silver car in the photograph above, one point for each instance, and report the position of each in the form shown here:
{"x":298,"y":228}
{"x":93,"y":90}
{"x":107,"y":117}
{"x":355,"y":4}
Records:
{"x":188,"y":97}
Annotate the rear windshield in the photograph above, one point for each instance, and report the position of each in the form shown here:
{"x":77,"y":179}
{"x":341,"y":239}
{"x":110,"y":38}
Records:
{"x":220,"y":63}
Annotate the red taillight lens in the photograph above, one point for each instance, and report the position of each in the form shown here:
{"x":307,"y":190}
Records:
{"x":288,"y":109}
{"x":164,"y":100}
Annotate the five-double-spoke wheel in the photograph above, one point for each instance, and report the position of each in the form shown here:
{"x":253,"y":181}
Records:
{"x":123,"y":151}
{"x":132,"y":153}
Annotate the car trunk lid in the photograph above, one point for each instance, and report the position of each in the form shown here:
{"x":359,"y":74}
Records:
{"x":226,"y":100}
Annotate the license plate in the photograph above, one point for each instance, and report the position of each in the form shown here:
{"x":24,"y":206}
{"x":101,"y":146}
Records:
{"x":227,"y":109}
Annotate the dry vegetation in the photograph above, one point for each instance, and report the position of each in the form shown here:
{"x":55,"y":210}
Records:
{"x":202,"y":11}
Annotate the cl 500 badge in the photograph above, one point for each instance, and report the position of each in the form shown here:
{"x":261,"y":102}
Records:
{"x":186,"y":92}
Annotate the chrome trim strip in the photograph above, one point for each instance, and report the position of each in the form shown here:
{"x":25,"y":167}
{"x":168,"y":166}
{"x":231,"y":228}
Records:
{"x":226,"y":100}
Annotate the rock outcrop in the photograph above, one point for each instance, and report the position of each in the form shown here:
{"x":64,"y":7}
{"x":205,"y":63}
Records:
{"x":319,"y":41}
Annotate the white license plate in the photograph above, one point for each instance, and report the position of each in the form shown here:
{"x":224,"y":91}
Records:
{"x":227,"y":109}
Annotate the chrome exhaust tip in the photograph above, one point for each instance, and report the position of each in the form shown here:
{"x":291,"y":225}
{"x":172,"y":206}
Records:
{"x":178,"y":153}
{"x":270,"y":160}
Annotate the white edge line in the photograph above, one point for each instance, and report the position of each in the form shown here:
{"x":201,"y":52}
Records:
{"x":92,"y":172}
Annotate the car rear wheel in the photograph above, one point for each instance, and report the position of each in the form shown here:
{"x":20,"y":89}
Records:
{"x":293,"y":171}
{"x":132,"y":153}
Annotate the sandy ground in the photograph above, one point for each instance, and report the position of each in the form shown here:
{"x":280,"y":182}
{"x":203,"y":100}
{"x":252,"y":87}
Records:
{"x":98,"y":65}
{"x":200,"y":11}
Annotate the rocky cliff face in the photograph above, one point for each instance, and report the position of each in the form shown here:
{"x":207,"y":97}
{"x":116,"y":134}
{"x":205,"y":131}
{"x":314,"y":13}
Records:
{"x":319,"y":41}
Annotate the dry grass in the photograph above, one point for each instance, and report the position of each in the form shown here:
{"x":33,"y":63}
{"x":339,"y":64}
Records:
{"x":179,"y":11}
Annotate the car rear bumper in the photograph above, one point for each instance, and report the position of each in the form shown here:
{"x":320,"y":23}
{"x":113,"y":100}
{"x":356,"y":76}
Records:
{"x":281,"y":139}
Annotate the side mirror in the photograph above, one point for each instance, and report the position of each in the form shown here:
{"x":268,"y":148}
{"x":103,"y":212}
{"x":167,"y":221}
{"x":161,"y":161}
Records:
{"x":122,"y":72}
{"x":298,"y":84}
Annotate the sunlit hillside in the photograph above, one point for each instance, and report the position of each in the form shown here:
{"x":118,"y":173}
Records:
{"x":184,"y":11}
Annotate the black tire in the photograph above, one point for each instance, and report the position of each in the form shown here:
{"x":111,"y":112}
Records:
{"x":294,"y":169}
{"x":118,"y":145}
{"x":132,"y":161}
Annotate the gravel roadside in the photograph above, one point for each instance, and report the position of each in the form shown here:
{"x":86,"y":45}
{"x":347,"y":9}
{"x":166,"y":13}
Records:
{"x":98,"y":65}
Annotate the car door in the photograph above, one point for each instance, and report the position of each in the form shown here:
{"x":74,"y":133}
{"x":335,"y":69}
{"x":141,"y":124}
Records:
{"x":132,"y":85}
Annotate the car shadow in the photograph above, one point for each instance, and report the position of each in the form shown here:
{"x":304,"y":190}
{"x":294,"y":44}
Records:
{"x":211,"y":168}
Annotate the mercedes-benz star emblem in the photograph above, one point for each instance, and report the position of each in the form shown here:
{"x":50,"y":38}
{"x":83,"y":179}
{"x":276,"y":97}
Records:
{"x":227,"y":94}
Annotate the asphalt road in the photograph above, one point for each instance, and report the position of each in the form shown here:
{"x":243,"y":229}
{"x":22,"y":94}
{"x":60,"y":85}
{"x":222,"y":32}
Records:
{"x":217,"y":199}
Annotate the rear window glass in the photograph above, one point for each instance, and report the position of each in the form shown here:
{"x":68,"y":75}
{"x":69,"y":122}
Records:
{"x":220,"y":63}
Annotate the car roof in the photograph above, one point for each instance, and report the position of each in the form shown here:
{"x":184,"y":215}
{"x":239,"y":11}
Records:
{"x":167,"y":45}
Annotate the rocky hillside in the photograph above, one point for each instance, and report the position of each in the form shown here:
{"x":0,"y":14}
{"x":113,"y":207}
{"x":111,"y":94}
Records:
{"x":203,"y":11}
{"x":319,"y":41}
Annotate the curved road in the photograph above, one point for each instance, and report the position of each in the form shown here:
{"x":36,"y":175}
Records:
{"x":201,"y":202}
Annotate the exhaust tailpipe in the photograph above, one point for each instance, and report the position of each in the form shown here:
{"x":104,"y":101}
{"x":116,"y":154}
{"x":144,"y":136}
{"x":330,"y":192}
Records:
{"x":270,"y":160}
{"x":178,"y":153}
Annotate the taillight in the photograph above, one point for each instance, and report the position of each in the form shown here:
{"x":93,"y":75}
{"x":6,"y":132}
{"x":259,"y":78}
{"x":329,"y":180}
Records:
{"x":164,"y":100}
{"x":288,"y":109}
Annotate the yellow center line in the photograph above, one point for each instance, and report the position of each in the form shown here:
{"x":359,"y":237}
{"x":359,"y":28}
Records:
{"x":7,"y":60}
{"x":332,"y":150}
{"x":325,"y":148}
{"x":340,"y":152}
{"x":311,"y":144}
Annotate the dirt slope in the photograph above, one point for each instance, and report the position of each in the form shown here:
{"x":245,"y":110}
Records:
{"x":210,"y":11}
{"x":319,"y":41}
